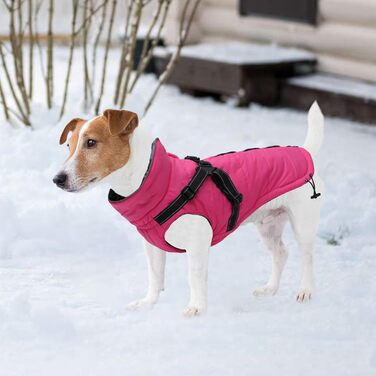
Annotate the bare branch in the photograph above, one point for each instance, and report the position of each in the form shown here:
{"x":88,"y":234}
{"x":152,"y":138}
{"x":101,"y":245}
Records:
{"x":17,"y":53}
{"x":146,"y":58}
{"x":124,"y":52}
{"x":96,"y":42}
{"x":108,"y":43}
{"x":50,"y":56}
{"x":20,"y":34}
{"x":87,"y":84}
{"x":151,"y":27}
{"x":4,"y":103}
{"x":6,"y":5}
{"x":11,"y":111}
{"x":130,"y":55}
{"x":36,"y":38}
{"x":31,"y":48}
{"x":89,"y":17}
{"x":184,"y":31}
{"x":24,"y":116}
{"x":71,"y":51}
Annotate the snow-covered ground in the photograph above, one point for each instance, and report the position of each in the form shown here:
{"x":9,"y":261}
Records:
{"x":69,"y":263}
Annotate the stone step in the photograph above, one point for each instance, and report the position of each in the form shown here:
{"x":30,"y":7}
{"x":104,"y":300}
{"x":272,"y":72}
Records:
{"x":337,"y":96}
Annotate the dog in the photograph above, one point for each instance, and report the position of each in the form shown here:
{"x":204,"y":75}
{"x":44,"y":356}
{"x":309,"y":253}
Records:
{"x":112,"y":148}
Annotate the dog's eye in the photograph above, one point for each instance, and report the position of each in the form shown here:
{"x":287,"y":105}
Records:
{"x":90,"y":143}
{"x":67,"y":145}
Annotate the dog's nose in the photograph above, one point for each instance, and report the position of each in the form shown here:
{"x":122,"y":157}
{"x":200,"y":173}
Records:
{"x":60,"y":179}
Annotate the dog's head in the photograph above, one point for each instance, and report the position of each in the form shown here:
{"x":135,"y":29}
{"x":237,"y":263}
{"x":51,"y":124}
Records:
{"x":97,"y":148}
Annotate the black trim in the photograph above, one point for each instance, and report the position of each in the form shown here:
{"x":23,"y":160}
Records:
{"x":113,"y":196}
{"x":249,"y":149}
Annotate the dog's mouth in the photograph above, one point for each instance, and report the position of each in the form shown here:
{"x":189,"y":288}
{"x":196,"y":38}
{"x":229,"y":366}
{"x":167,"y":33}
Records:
{"x":81,"y":188}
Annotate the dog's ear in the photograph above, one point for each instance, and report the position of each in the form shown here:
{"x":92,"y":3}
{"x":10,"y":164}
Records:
{"x":70,"y":127}
{"x":121,"y":121}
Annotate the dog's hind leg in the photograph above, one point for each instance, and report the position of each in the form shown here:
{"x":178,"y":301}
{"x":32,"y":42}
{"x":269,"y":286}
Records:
{"x":304,"y":217}
{"x":271,"y":229}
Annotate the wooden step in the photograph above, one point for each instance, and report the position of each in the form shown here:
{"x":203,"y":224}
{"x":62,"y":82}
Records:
{"x":250,"y":72}
{"x":337,"y":96}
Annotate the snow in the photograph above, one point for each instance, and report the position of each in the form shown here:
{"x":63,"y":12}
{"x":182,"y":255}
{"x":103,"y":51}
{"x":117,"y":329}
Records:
{"x":241,"y":53}
{"x":69,"y":263}
{"x":337,"y":84}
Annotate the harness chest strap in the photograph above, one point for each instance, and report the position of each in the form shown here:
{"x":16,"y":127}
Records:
{"x":220,"y":178}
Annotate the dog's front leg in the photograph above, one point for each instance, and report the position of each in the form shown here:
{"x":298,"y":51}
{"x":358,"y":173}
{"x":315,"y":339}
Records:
{"x":198,"y":259}
{"x":194,"y":234}
{"x":156,"y":260}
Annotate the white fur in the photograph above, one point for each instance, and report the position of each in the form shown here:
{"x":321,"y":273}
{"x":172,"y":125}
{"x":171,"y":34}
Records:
{"x":194,"y":234}
{"x":315,"y":134}
{"x":128,"y":178}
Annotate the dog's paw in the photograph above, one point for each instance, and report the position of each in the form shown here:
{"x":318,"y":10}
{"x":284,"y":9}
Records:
{"x":192,"y":311}
{"x":140,"y":305}
{"x":304,"y":295}
{"x":265,"y":291}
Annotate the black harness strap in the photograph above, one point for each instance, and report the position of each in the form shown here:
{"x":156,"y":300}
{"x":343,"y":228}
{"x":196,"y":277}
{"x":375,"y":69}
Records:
{"x":203,"y":170}
{"x":221,"y":179}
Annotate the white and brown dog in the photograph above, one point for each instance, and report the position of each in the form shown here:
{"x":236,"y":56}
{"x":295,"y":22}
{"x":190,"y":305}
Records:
{"x":112,"y":148}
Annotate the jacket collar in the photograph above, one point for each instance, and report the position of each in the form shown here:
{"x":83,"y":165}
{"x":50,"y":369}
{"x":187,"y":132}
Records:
{"x":140,"y":203}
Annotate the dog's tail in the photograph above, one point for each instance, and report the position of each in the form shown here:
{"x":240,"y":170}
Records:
{"x":315,"y":133}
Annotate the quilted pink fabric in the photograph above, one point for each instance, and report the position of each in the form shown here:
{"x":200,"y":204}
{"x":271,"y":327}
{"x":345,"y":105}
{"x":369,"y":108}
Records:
{"x":259,"y":174}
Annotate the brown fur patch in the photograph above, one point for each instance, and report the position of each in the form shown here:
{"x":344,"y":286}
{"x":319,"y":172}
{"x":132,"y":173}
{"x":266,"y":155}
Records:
{"x":110,"y":152}
{"x":70,"y":127}
{"x":121,"y":121}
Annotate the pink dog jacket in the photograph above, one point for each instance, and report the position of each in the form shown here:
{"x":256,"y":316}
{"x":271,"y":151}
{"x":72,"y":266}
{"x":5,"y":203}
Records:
{"x":259,"y":175}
